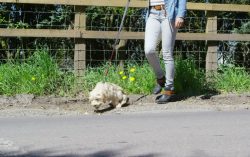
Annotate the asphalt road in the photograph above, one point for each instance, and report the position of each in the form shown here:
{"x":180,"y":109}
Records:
{"x":166,"y":134}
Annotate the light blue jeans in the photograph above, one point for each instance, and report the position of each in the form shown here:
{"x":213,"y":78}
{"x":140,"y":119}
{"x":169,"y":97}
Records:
{"x":159,"y":27}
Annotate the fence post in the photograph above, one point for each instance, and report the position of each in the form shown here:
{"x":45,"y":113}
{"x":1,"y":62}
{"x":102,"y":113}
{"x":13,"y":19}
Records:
{"x":80,"y":44}
{"x":211,"y":57}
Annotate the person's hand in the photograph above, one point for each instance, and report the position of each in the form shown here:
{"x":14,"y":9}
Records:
{"x":179,"y":22}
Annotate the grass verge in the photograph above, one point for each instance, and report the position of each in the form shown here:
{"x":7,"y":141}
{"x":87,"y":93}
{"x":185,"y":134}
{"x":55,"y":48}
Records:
{"x":232,"y":79}
{"x":40,"y":75}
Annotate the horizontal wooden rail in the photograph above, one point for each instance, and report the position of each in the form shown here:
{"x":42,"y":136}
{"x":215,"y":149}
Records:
{"x":50,"y":33}
{"x":53,"y":33}
{"x":112,"y":3}
{"x":136,"y":3}
{"x":218,"y":7}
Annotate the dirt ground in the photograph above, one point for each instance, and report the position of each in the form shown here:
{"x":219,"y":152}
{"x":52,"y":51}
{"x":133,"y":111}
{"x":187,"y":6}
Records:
{"x":29,"y":105}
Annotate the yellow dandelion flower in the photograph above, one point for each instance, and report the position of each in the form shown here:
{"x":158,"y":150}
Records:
{"x":132,"y":79}
{"x":121,"y":72}
{"x":124,"y":77}
{"x":132,"y":70}
{"x":33,"y":78}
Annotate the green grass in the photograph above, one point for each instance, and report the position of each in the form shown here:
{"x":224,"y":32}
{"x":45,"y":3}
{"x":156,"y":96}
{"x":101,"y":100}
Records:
{"x":136,"y":79}
{"x":188,"y":79}
{"x":40,"y":75}
{"x":231,"y":79}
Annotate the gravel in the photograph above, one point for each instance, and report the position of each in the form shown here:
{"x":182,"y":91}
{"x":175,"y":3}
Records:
{"x":30,"y":105}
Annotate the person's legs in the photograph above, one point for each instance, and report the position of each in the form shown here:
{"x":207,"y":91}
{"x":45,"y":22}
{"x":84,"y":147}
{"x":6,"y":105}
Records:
{"x":152,"y":34}
{"x":168,"y":40}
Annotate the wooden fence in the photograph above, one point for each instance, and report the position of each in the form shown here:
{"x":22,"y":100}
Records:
{"x":80,"y":34}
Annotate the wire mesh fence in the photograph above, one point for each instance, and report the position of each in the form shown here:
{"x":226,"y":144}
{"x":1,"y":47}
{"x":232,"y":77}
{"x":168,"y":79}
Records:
{"x":98,"y":51}
{"x":62,"y":17}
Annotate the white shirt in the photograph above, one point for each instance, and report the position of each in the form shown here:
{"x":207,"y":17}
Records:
{"x":156,"y":2}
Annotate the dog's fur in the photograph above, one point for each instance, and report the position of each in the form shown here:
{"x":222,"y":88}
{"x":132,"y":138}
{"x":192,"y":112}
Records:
{"x":105,"y":92}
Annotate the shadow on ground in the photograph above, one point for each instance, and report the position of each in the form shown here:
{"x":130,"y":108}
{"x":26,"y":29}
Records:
{"x":107,"y":153}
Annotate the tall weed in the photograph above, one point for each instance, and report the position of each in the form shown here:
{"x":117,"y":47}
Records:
{"x":232,"y":79}
{"x":139,"y":79}
{"x":38,"y":75}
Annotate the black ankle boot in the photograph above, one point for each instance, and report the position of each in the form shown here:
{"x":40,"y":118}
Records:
{"x":159,"y":85}
{"x":165,"y":97}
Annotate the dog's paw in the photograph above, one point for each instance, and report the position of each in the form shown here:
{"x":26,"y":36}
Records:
{"x":119,"y":105}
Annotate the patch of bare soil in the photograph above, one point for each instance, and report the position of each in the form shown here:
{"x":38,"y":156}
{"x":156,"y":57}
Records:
{"x":29,"y":105}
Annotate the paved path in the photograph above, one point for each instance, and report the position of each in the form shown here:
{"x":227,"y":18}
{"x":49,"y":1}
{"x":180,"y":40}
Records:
{"x":166,"y":134}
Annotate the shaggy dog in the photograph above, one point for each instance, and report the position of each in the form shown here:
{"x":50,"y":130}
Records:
{"x":110,"y":93}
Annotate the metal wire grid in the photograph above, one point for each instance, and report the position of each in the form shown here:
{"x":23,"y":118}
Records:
{"x":63,"y":57}
{"x":225,"y":1}
{"x":63,"y":18}
{"x":227,"y":54}
{"x":43,"y":16}
{"x":99,"y":51}
{"x":237,"y":53}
